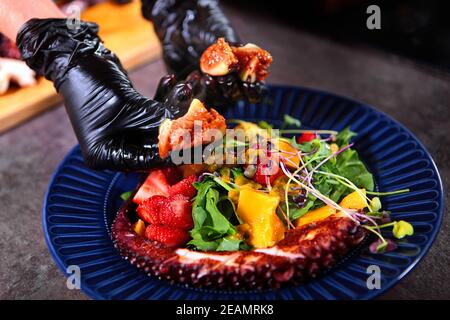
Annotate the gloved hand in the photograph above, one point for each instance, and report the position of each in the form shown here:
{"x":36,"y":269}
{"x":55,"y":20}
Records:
{"x":116,"y":126}
{"x":186,"y":28}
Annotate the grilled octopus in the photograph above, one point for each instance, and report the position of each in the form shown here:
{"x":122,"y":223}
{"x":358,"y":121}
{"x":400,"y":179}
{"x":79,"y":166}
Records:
{"x":303,"y":254}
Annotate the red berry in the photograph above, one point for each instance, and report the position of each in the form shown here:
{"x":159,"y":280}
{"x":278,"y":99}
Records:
{"x":150,"y":209}
{"x":269,"y":170}
{"x":184,"y":187}
{"x":171,"y":237}
{"x":176,"y":212}
{"x":306,"y":137}
{"x":155,"y":184}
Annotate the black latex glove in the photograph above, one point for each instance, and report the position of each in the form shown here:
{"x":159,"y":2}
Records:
{"x":186,"y":28}
{"x":116,"y":126}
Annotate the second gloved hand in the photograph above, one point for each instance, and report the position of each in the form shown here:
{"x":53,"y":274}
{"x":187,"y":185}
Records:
{"x":186,"y":28}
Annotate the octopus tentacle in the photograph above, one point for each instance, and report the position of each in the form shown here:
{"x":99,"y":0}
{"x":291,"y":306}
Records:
{"x":303,"y":254}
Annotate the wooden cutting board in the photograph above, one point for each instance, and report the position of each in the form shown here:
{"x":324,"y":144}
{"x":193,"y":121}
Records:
{"x":124,"y":31}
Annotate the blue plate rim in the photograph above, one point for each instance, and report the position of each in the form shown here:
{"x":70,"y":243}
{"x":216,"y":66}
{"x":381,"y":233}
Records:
{"x":372,"y":293}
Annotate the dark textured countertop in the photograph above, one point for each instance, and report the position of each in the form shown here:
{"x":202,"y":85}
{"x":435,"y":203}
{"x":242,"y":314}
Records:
{"x":416,"y":96}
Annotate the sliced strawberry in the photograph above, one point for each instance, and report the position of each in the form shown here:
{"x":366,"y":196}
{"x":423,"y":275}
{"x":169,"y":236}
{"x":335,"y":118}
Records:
{"x":171,"y":237}
{"x":176,"y":212}
{"x":306,"y":137}
{"x":184,"y":187}
{"x":267,"y":172}
{"x":149,"y":210}
{"x":172,"y":174}
{"x":155,"y":184}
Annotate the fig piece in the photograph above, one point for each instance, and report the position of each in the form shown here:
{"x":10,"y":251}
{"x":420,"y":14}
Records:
{"x":218,"y":59}
{"x":253,"y":62}
{"x":249,"y":61}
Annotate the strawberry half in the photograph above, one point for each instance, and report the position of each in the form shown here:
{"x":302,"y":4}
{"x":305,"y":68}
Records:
{"x":155,"y":184}
{"x":171,"y":237}
{"x":176,"y":212}
{"x":150,"y":208}
{"x":184,"y":187}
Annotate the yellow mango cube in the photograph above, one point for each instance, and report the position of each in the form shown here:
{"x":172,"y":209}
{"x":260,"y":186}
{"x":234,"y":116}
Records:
{"x":290,"y":153}
{"x":355,"y":200}
{"x":139,"y":227}
{"x":258,"y":211}
{"x":315,"y":215}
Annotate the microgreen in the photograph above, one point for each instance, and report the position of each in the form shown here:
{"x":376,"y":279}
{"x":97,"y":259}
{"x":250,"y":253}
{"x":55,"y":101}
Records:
{"x":402,"y":229}
{"x":389,"y":193}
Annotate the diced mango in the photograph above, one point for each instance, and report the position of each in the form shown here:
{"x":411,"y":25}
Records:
{"x":278,"y":187}
{"x":290,"y":153}
{"x":355,"y":200}
{"x":258,"y":210}
{"x":243,"y":183}
{"x":241,"y":180}
{"x":233,"y":195}
{"x":352,"y":201}
{"x":139,"y":227}
{"x":315,"y":215}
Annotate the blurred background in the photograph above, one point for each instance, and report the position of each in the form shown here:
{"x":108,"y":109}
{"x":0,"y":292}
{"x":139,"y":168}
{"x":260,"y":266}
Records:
{"x":417,"y":29}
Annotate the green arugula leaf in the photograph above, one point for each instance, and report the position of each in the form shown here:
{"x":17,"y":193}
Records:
{"x":344,"y":137}
{"x":220,"y":224}
{"x":227,"y":244}
{"x":351,"y":167}
{"x":213,"y":227}
{"x":298,"y":212}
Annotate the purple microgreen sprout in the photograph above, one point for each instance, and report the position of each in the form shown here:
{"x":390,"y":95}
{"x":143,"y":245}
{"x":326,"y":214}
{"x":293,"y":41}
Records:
{"x":382,"y":246}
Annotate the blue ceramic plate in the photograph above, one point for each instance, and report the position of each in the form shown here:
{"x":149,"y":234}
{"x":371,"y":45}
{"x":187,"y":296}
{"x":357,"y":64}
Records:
{"x":81,"y":204}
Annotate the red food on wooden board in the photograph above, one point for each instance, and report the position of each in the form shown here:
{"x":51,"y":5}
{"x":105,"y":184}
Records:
{"x":8,"y":49}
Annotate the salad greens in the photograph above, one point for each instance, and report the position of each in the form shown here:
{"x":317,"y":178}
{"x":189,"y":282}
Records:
{"x":327,"y":171}
{"x":213,"y":214}
{"x":330,"y":181}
